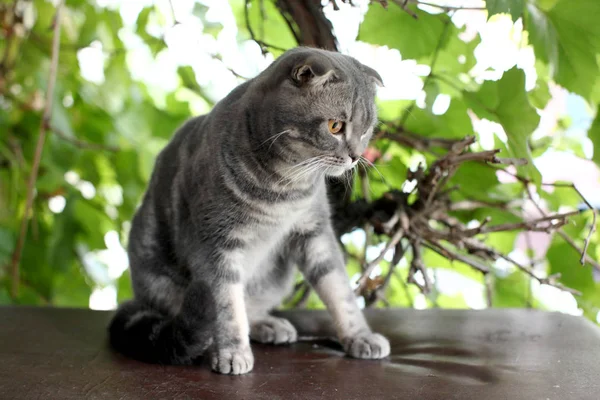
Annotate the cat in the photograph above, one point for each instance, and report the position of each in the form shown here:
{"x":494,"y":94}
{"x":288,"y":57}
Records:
{"x":236,"y":201}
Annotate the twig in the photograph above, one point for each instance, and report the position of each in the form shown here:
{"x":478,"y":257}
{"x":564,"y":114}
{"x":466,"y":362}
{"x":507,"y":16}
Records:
{"x":383,"y":3}
{"x":449,"y":254}
{"x":562,"y":234}
{"x":176,"y":22}
{"x":82,"y":144}
{"x":530,"y":255}
{"x":217,"y":57}
{"x":301,"y":303}
{"x":529,"y":225}
{"x":416,"y":264}
{"x":263,"y":45}
{"x":575,"y":246}
{"x":550,"y":281}
{"x":488,"y":290}
{"x":16,"y":258}
{"x":364,"y":184}
{"x":584,"y":257}
{"x":403,"y":4}
{"x":446,"y":8}
{"x":371,"y":266}
{"x":379,"y":292}
{"x":474,"y":204}
{"x":434,"y":59}
{"x":415,"y":141}
{"x":592,"y":229}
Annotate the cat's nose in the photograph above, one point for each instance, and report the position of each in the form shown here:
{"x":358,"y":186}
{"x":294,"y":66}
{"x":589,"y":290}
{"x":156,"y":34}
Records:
{"x":353,"y":157}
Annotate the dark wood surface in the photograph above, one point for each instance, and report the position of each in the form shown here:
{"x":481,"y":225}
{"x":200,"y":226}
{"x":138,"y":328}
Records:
{"x":436,"y":354}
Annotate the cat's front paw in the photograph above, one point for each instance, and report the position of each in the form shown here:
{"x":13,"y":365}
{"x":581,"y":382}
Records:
{"x":234,"y":361}
{"x":369,"y":345}
{"x":273,"y":330}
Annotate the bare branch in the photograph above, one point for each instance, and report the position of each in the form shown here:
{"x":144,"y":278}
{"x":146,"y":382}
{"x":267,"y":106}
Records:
{"x":434,"y":59}
{"x":82,"y":144}
{"x":562,"y":234}
{"x":175,"y":20}
{"x":263,"y":46}
{"x":16,"y":257}
{"x":362,"y":281}
{"x":447,"y":8}
{"x":533,"y":225}
{"x":417,"y":264}
{"x":594,"y":216}
{"x":489,"y":293}
{"x":550,"y":281}
{"x":451,"y":255}
{"x":403,"y":4}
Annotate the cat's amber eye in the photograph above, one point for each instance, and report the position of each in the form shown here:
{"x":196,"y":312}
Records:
{"x":335,"y":126}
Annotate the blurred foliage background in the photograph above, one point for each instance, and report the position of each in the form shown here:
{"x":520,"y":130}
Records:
{"x":130,"y":72}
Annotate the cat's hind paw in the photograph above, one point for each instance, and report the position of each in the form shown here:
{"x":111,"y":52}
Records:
{"x":369,"y":346}
{"x":234,"y":361}
{"x":273,"y":330}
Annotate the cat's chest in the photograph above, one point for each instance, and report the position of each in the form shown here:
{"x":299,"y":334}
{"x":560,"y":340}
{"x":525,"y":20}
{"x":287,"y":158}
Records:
{"x":263,"y":238}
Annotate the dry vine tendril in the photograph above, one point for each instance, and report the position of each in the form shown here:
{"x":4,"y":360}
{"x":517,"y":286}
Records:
{"x":426,"y":220}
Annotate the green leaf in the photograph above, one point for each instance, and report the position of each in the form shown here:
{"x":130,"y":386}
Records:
{"x":124,"y":288}
{"x":455,"y":58}
{"x":567,"y":37}
{"x":93,"y":223}
{"x":265,"y":21}
{"x":394,"y":172}
{"x":505,"y":101}
{"x":395,"y":28}
{"x":456,"y":301}
{"x":540,"y":95}
{"x":391,"y":109}
{"x":156,"y":44}
{"x":7,"y":242}
{"x":433,"y":260}
{"x":71,"y":288}
{"x":512,"y":7}
{"x":557,"y":197}
{"x":454,"y":123}
{"x":212,"y":28}
{"x":510,"y":291}
{"x":564,"y":260}
{"x":5,"y":294}
{"x":431,"y":92}
{"x":399,"y":292}
{"x":594,"y":135}
{"x":545,"y":4}
{"x":542,"y":36}
{"x":474,"y":179}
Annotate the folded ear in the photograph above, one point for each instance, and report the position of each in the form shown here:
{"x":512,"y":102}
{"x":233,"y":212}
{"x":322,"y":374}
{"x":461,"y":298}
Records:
{"x":373,"y":74}
{"x":312,"y":70}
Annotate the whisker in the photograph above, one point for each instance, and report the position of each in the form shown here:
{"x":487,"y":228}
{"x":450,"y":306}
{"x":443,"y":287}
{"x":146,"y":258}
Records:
{"x":364,"y":160}
{"x":296,"y":172}
{"x":272,"y":139}
{"x":307,"y":168}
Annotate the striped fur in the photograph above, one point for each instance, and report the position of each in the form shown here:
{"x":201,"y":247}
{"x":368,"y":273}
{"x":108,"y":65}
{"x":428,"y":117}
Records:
{"x":236,"y":201}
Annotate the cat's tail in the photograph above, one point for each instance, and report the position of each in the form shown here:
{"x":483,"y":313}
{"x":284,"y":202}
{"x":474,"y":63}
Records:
{"x":145,"y":334}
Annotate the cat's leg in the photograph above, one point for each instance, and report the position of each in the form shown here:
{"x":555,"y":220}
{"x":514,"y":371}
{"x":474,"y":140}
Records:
{"x":322,"y":264}
{"x":271,"y":329}
{"x":266,"y":293}
{"x":230,"y":352}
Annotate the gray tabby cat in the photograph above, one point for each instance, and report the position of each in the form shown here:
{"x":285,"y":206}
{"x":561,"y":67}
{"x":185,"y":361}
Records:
{"x":236,"y":201}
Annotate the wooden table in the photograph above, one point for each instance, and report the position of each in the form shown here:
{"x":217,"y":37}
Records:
{"x":50,"y":353}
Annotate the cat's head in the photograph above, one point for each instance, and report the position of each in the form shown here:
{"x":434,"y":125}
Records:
{"x":323,"y":104}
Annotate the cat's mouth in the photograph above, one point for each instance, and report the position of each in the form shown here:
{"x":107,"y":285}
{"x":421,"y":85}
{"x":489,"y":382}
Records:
{"x":337,"y":166}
